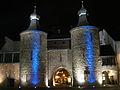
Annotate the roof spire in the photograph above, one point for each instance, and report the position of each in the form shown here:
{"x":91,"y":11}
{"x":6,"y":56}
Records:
{"x":34,"y":15}
{"x":34,"y":8}
{"x":82,"y":5}
{"x":82,"y":16}
{"x":34,"y":24}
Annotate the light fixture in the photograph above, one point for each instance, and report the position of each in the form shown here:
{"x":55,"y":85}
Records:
{"x":48,"y":86}
{"x":19,"y":86}
{"x":78,"y":86}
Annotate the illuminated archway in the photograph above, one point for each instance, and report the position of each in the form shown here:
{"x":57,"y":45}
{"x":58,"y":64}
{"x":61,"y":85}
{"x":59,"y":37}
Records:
{"x":109,"y":77}
{"x":62,"y":78}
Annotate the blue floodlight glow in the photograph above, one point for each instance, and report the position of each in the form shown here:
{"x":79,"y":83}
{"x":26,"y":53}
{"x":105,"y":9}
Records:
{"x":35,"y":60}
{"x":89,"y":55}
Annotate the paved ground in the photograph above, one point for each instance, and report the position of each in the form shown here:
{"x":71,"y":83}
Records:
{"x":60,"y":88}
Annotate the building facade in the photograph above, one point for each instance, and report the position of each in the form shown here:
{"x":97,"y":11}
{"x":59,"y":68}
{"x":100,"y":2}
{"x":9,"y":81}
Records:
{"x":89,"y":57}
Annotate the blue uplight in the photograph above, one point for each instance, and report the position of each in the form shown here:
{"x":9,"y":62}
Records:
{"x":89,"y":55}
{"x":35,"y":60}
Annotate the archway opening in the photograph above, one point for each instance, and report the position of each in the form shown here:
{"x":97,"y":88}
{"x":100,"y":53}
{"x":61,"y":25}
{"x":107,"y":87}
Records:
{"x":62,"y":78}
{"x":109,"y":77}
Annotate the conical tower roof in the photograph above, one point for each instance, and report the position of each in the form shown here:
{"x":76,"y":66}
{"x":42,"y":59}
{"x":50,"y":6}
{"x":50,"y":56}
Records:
{"x":34,"y":21}
{"x":82,"y":16}
{"x":34,"y":26}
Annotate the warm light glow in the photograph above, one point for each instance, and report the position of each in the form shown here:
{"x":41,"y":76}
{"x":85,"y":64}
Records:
{"x":57,"y":77}
{"x":62,"y":78}
{"x":63,"y":74}
{"x":100,"y":80}
{"x":69,"y":80}
{"x":111,"y":73}
{"x":103,"y":78}
{"x":80,"y":76}
{"x":46,"y":81}
{"x":1,"y":77}
{"x":1,"y":80}
{"x":109,"y":77}
{"x":99,"y":77}
{"x":118,"y":60}
{"x":23,"y":80}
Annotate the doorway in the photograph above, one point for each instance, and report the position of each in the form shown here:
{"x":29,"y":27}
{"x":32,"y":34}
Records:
{"x":62,"y":78}
{"x":109,"y":77}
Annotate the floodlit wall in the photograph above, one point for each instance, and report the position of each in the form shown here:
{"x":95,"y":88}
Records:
{"x":33,"y":58}
{"x":118,"y":58}
{"x":111,"y":68}
{"x":58,"y":58}
{"x":106,"y":39}
{"x":85,"y":51}
{"x":9,"y":71}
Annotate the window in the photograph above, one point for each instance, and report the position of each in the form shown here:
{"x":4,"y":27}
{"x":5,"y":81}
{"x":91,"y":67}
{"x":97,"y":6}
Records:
{"x":16,"y":57}
{"x":100,"y":41}
{"x":108,"y":61}
{"x":8,"y":57}
{"x":55,"y":42}
{"x":63,"y":42}
{"x":1,"y":58}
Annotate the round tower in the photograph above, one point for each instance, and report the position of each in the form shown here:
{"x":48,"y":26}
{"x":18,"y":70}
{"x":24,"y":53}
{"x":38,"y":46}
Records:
{"x":85,"y":51}
{"x":33,"y":54}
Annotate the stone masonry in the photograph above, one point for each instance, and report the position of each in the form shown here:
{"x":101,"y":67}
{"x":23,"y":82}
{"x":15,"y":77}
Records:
{"x":33,"y":58}
{"x":85,"y":51}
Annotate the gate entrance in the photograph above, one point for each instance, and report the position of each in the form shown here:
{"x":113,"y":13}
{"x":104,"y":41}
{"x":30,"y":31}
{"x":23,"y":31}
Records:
{"x":62,"y":78}
{"x":109,"y":77}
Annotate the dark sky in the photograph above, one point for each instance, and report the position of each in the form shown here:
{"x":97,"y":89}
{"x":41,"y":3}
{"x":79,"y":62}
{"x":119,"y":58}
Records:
{"x":58,"y":14}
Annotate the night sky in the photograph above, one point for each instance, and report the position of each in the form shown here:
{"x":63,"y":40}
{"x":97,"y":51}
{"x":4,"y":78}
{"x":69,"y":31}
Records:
{"x":58,"y":14}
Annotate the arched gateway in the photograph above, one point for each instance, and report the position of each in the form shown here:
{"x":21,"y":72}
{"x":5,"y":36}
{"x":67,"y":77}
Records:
{"x":62,"y":78}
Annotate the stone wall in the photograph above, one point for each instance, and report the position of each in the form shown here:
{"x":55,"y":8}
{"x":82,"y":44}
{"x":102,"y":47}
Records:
{"x":58,"y":58}
{"x":118,"y":59}
{"x":33,"y":57}
{"x":9,"y":71}
{"x":85,"y":51}
{"x":113,"y":68}
{"x":63,"y":43}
